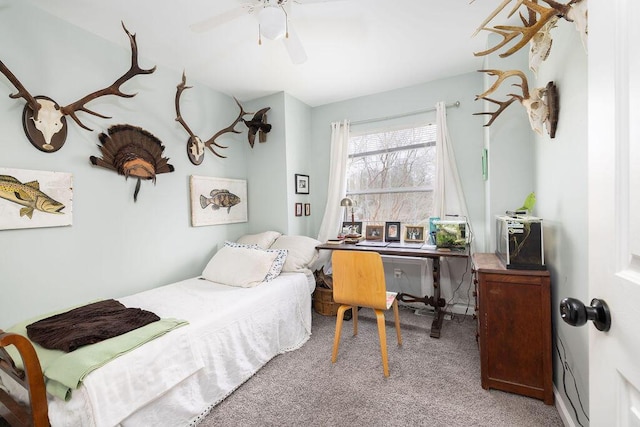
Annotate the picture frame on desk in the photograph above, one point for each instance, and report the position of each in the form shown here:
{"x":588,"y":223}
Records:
{"x":414,"y":234}
{"x":392,"y":231}
{"x":352,"y":227}
{"x":374,"y":232}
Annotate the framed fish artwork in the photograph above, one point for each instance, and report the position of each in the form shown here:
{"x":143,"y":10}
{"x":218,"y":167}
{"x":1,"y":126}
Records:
{"x":32,"y":199}
{"x":217,"y":200}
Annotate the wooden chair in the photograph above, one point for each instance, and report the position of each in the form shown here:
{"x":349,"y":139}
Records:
{"x":358,"y":281}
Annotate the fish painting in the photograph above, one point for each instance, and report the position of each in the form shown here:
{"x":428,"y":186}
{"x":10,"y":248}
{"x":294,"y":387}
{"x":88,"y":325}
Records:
{"x":28,"y":195}
{"x":219,"y":199}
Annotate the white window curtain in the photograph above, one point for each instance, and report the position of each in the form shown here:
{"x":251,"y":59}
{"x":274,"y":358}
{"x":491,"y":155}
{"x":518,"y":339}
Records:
{"x":448,"y":199}
{"x":337,"y":187}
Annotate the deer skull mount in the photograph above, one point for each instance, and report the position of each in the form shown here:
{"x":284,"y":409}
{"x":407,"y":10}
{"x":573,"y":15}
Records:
{"x":536,"y":27}
{"x":195,"y":146}
{"x":44,"y":120}
{"x":541,"y":103}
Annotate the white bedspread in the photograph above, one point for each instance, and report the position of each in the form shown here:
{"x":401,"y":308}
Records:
{"x":176,"y":379}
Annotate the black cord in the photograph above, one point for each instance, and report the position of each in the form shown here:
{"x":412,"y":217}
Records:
{"x":448,"y":304}
{"x":565,"y":368}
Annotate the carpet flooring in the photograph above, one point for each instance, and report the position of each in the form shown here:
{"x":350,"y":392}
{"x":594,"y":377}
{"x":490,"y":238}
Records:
{"x":433,"y":382}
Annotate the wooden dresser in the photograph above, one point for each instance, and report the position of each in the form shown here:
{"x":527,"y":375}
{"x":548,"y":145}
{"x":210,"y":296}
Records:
{"x":513,"y":308}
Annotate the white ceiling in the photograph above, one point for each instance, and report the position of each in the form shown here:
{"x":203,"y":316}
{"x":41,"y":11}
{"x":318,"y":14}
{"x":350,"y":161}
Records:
{"x":354,"y":47}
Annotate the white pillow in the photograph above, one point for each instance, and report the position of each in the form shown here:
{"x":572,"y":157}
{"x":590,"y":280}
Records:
{"x":264,"y":240}
{"x":278,"y":263}
{"x":241,"y":267}
{"x":302,"y":251}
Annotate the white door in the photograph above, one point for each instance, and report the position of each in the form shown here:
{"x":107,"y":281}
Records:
{"x":614,"y":209}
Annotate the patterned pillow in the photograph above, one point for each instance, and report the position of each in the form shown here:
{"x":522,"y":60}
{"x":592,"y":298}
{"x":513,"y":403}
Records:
{"x":241,"y":245}
{"x":277,"y":265}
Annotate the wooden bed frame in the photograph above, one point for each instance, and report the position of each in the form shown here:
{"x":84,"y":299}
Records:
{"x":31,"y":378}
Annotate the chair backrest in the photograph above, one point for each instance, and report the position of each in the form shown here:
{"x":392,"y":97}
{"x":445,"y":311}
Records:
{"x":358,"y":279}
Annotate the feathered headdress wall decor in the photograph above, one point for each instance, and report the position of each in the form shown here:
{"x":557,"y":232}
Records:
{"x":132,"y":151}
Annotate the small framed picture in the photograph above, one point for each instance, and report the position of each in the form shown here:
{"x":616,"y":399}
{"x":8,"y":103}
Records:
{"x":307,"y":209}
{"x":298,"y":209}
{"x":391,"y":231}
{"x":414,"y":233}
{"x":352,"y":227}
{"x":302,"y":184}
{"x":374,"y":232}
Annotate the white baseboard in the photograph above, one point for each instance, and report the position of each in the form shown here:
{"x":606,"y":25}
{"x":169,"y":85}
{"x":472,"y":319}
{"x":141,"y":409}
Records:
{"x":562,"y":409}
{"x":461,"y":309}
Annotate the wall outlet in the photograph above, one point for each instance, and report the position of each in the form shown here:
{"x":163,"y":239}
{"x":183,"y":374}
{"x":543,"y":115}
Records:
{"x":397,"y":272}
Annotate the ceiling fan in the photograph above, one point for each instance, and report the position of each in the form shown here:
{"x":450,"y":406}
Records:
{"x":273,"y":23}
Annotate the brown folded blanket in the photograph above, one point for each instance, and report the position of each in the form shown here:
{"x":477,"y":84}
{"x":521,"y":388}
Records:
{"x":88,"y":324}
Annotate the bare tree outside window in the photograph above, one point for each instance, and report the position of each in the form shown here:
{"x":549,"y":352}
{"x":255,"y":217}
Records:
{"x":391,"y":174}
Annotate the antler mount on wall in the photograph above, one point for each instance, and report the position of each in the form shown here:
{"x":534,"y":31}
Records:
{"x":541,"y":103}
{"x":44,"y":120}
{"x":536,"y":27}
{"x":195,"y":146}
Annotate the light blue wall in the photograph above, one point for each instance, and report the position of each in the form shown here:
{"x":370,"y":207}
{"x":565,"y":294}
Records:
{"x":115,"y":246}
{"x":556,"y":169}
{"x":267,"y":170}
{"x":465,"y":131}
{"x":510,"y":143}
{"x":561,"y":186}
{"x":272,"y":166}
{"x":467,"y":138}
{"x":298,"y":155}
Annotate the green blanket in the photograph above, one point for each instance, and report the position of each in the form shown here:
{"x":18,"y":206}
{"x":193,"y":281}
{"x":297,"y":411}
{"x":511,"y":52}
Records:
{"x":64,"y":372}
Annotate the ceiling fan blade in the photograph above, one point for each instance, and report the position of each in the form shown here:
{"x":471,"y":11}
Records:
{"x":294,"y":47}
{"x":218,"y":20}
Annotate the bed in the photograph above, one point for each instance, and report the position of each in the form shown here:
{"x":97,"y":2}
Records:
{"x":224,"y":333}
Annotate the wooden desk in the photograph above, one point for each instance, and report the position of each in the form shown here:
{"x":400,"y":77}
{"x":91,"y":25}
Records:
{"x":435,"y":301}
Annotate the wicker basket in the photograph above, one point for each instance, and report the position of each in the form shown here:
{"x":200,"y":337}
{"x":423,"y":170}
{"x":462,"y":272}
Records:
{"x":323,"y":302}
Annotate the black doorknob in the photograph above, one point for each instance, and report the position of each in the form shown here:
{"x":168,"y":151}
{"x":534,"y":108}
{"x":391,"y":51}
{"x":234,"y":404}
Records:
{"x":575,"y":313}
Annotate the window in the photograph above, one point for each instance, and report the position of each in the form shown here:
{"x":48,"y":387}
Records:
{"x":391,"y":174}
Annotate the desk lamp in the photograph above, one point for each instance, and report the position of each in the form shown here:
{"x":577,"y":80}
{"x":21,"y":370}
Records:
{"x":347,"y":202}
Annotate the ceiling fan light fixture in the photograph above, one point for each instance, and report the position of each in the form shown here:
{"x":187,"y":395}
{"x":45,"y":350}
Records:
{"x":273,"y":22}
